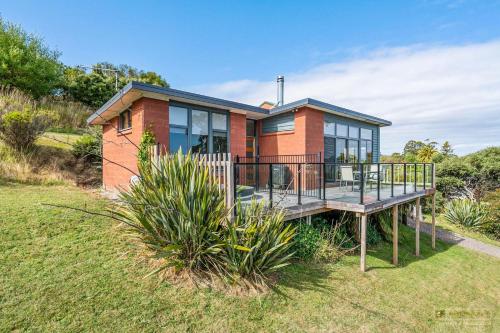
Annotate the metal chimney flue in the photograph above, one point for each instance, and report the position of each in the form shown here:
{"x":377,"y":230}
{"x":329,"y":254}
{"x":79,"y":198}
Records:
{"x":281,"y":89}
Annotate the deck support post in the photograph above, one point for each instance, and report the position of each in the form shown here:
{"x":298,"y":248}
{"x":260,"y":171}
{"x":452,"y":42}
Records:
{"x":395,"y":235}
{"x":364,"y":218}
{"x":417,"y":227}
{"x":433,"y":233}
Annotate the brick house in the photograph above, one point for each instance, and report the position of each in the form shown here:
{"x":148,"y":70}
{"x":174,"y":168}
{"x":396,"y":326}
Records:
{"x":204,"y":124}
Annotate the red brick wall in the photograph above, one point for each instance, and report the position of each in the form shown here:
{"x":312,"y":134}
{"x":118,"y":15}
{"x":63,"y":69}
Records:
{"x":119,"y":148}
{"x":238,"y":130}
{"x":156,"y":119}
{"x":306,"y":138}
{"x":314,"y":131}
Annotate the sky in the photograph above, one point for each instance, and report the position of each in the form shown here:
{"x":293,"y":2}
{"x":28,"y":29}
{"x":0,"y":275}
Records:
{"x":431,"y":67}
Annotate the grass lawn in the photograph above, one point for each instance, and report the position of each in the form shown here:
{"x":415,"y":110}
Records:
{"x":63,"y":270}
{"x":58,"y":140}
{"x":443,"y":224}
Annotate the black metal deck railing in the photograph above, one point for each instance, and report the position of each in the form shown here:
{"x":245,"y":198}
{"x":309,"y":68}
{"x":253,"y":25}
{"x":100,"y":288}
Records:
{"x":351,"y":182}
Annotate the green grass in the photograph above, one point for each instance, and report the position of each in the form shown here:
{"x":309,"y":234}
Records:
{"x":58,"y":140}
{"x":66,"y":271}
{"x":443,"y":224}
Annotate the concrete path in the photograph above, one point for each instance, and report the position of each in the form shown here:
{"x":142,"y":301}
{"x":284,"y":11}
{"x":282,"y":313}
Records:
{"x":454,"y":238}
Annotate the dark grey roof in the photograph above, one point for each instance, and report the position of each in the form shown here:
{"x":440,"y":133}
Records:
{"x":330,"y":107}
{"x":235,"y":105}
{"x":175,"y":93}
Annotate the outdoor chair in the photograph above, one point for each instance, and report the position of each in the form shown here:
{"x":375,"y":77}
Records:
{"x":346,"y":176}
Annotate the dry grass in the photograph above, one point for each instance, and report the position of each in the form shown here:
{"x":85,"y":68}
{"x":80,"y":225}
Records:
{"x":49,"y":163}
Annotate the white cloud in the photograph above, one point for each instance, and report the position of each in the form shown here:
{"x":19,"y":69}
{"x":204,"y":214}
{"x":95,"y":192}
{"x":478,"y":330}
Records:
{"x":436,"y":92}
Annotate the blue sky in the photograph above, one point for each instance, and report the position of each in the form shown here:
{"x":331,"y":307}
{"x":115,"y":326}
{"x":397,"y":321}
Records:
{"x":405,"y":61}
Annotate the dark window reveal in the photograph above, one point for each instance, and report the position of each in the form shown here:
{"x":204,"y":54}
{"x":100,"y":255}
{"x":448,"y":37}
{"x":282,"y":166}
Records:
{"x":125,"y":120}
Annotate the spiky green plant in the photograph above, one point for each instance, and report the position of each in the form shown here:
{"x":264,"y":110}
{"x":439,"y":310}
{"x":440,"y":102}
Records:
{"x":258,"y":242}
{"x":178,"y":212}
{"x":466,"y":212}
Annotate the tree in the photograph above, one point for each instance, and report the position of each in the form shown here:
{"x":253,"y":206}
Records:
{"x":95,"y":87}
{"x":27,"y":63}
{"x":471,"y":176}
{"x":446,"y":149}
{"x":412,"y":147}
{"x":427,"y":152}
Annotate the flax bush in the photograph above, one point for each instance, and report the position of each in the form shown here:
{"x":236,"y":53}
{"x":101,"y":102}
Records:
{"x":258,"y":242}
{"x":180,"y":215}
{"x":467,"y":213}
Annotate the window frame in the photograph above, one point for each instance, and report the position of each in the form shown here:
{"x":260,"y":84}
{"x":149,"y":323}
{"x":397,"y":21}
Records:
{"x":355,"y":130}
{"x":330,"y":123}
{"x":365,"y":129}
{"x":121,"y":120}
{"x":211,"y":130}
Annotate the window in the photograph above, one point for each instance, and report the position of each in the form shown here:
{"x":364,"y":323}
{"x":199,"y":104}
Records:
{"x":219,"y":121}
{"x":353,"y":132}
{"x":341,"y":130}
{"x":219,"y":128}
{"x":178,"y":120}
{"x":178,"y":139}
{"x":125,"y":120}
{"x":353,"y":151}
{"x":329,"y":128}
{"x":280,"y":123}
{"x":199,"y":132}
{"x":220,"y":142}
{"x":340,"y":150}
{"x":178,"y":116}
{"x":366,"y":134}
{"x":251,"y":127}
{"x":353,"y":144}
{"x":366,"y":153}
{"x":202,"y":131}
{"x":369,"y":152}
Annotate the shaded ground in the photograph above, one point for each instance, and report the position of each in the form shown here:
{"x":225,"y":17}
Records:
{"x":66,"y":271}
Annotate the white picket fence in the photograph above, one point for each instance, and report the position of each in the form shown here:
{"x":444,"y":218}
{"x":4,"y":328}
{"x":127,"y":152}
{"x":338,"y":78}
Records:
{"x":220,"y":167}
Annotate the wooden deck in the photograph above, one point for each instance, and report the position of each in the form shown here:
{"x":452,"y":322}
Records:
{"x":341,"y":199}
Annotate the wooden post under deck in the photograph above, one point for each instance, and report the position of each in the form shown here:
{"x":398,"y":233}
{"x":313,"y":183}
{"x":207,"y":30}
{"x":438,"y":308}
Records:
{"x":434,"y":221}
{"x":364,"y":218}
{"x":395,"y":235}
{"x":417,"y":227}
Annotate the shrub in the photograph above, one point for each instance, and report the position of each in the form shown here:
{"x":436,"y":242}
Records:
{"x":258,"y":242}
{"x":20,"y":129}
{"x":307,"y":241}
{"x":373,"y":235}
{"x":88,"y":147}
{"x":335,"y":240}
{"x":147,"y":141}
{"x":466,"y":213}
{"x":492,"y":226}
{"x":179,"y":214}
